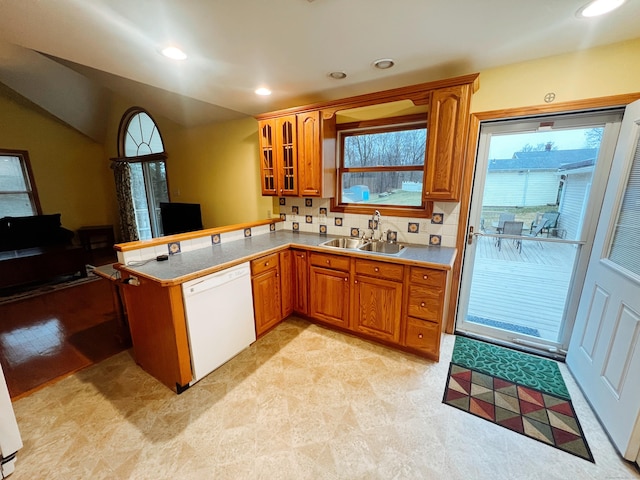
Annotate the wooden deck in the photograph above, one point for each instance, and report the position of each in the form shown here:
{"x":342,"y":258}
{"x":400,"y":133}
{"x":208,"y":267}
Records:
{"x":527,"y":289}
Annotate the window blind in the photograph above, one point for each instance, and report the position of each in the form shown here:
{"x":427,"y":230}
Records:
{"x":625,"y":246}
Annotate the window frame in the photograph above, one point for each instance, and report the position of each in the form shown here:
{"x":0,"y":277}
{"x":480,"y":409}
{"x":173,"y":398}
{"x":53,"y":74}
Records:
{"x":383,"y":125}
{"x":145,"y":160}
{"x":27,"y":173}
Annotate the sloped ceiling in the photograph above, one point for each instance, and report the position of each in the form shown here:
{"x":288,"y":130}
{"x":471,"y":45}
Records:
{"x":67,"y":55}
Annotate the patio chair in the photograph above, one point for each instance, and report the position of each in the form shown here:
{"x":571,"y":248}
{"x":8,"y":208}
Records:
{"x":545,"y":222}
{"x":512,"y":228}
{"x":504,"y":217}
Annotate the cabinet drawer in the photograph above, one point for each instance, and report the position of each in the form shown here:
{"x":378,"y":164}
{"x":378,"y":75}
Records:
{"x":424,"y":336}
{"x":390,"y":271}
{"x":330,"y":261}
{"x":425,"y":303}
{"x":428,"y":276}
{"x":263,"y":264}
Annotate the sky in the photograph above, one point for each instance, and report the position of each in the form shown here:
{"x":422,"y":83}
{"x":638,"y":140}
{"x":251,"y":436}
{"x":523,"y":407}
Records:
{"x":504,"y":145}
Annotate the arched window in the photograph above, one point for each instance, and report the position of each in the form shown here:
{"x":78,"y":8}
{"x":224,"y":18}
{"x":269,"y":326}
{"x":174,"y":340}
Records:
{"x":141,"y":175}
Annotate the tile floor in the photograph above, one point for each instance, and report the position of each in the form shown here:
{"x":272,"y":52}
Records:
{"x":301,"y":403}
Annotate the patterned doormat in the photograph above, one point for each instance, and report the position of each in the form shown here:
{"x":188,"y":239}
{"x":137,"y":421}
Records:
{"x":505,"y":387}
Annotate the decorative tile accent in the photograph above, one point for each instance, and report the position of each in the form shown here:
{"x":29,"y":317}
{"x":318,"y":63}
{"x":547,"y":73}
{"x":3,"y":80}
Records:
{"x":247,"y":232}
{"x":308,"y":202}
{"x":355,"y":232}
{"x":338,"y":221}
{"x":437,"y":218}
{"x":414,"y":227}
{"x":373,"y":224}
{"x":283,"y":216}
{"x":308,"y":219}
{"x":282,"y":201}
{"x":392,"y":236}
{"x":323,"y":210}
{"x":294,"y":210}
{"x":174,"y":247}
{"x":215,"y":239}
{"x":323,"y":229}
{"x":435,"y":239}
{"x":295,"y":226}
{"x":272,"y":227}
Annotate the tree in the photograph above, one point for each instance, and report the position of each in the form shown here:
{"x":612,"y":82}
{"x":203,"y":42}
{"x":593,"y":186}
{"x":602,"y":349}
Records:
{"x":593,"y":137}
{"x":540,"y":147}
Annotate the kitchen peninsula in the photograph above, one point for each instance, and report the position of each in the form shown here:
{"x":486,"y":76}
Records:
{"x":399,"y":301}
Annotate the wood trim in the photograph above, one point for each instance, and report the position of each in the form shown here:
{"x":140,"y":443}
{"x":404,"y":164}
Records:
{"x":470,"y":163}
{"x":420,"y":94}
{"x":424,"y":211}
{"x":576,"y":105}
{"x":152,"y":157}
{"x":395,"y":123}
{"x":180,"y":237}
{"x":24,"y":154}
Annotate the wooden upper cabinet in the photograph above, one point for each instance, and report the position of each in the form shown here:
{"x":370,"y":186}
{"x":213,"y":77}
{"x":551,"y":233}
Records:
{"x":316,"y":154}
{"x":447,"y":132}
{"x":266,"y":138}
{"x":287,"y":155}
{"x":278,"y":155}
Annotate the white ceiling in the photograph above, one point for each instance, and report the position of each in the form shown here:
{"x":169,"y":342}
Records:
{"x":234,"y":46}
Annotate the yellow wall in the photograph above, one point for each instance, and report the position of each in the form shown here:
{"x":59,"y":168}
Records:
{"x":217,"y":166}
{"x":599,"y":72}
{"x":68,"y":168}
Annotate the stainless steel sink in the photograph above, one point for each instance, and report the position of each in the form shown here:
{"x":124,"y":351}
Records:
{"x":383,"y":247}
{"x":345,"y":242}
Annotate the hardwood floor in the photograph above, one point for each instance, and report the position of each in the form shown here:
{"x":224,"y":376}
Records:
{"x":49,"y":336}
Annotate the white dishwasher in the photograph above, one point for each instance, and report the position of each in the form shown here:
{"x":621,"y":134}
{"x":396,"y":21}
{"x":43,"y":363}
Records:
{"x":219,"y":312}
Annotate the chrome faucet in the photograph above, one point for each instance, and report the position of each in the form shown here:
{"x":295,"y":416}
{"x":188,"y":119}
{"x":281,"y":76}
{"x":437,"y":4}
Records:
{"x":375,"y":226}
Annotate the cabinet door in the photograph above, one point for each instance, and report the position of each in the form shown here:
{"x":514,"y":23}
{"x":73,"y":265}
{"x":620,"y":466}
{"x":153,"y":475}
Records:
{"x":301,"y":282}
{"x":330,"y":299}
{"x":268,"y":166}
{"x":266,"y":300}
{"x":447,"y":132}
{"x":287,"y":156}
{"x":310,"y":154}
{"x":377,"y":308}
{"x":286,"y":282}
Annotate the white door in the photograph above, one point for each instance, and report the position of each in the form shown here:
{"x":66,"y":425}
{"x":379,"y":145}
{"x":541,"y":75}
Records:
{"x":604,"y":352}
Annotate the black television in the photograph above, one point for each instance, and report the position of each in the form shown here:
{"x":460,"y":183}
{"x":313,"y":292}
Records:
{"x":180,"y":217}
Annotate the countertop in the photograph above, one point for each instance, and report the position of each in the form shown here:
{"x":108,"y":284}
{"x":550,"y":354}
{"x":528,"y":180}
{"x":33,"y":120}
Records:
{"x":186,"y":266}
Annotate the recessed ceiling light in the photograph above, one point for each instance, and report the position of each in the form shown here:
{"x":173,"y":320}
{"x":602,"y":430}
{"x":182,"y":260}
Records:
{"x":263,"y":91}
{"x":384,"y":63}
{"x":173,"y":53}
{"x":598,"y":7}
{"x":338,"y":75}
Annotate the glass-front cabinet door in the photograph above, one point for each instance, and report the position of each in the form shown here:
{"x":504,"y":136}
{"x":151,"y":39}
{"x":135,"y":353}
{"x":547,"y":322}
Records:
{"x":287,"y":158}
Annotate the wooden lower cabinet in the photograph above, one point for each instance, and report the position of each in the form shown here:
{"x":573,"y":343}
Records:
{"x":286,"y":282}
{"x":425,"y":303}
{"x":377,"y":305}
{"x":267,"y":299}
{"x":300,"y":285}
{"x":329,"y":288}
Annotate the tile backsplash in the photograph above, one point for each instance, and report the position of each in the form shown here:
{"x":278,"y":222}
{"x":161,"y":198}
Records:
{"x":440,"y":229}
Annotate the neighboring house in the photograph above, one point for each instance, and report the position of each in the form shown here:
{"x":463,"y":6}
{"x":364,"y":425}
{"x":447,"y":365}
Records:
{"x":529,"y":178}
{"x":576,"y":179}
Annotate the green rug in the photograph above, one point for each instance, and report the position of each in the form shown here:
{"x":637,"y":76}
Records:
{"x":518,"y":367}
{"x":523,"y":393}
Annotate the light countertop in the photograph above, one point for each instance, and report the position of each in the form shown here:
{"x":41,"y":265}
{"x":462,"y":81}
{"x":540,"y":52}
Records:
{"x":189,"y":265}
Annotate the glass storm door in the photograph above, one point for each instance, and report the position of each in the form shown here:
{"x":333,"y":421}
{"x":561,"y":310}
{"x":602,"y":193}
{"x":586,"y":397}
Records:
{"x":537,"y":183}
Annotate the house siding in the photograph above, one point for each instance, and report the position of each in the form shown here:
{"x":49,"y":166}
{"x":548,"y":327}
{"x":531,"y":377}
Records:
{"x":521,"y":189}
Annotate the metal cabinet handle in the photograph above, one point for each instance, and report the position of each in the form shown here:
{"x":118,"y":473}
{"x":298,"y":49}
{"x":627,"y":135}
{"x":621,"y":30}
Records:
{"x":419,"y":335}
{"x":376,"y":269}
{"x":355,"y":281}
{"x":266,"y":264}
{"x":424,"y":277}
{"x":422,"y":304}
{"x":328,"y":262}
{"x":346,"y":279}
